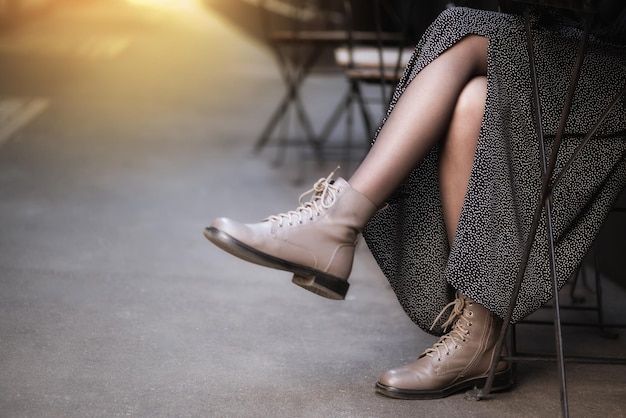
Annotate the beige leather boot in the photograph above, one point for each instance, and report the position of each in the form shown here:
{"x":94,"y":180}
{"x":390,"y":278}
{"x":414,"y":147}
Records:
{"x":316,"y":241}
{"x":459,"y":360}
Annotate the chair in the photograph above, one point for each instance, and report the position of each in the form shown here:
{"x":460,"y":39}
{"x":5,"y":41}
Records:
{"x":550,"y":178}
{"x":375,"y":53}
{"x":298,"y":33}
{"x":585,"y":294}
{"x":366,"y":53}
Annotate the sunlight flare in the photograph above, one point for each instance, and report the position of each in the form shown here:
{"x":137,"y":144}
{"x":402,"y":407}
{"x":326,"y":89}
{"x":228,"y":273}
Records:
{"x":174,"y":5}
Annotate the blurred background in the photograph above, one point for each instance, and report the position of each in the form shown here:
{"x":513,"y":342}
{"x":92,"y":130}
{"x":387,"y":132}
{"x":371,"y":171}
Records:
{"x":126,"y":126}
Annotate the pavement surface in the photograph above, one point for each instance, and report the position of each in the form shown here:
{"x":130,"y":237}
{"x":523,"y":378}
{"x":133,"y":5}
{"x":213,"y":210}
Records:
{"x":125,"y":127}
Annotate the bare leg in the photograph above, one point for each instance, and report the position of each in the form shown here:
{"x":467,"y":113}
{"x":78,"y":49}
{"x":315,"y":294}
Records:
{"x":420,"y":118}
{"x":316,"y":241}
{"x":457,"y":151}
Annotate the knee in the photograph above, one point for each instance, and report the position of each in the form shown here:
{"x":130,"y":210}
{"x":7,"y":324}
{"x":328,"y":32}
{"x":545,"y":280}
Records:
{"x":466,"y":120}
{"x":471,"y":101}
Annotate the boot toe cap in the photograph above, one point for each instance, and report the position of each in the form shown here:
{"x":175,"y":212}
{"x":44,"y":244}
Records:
{"x":222,"y":224}
{"x":402,"y":378}
{"x":230,"y":227}
{"x":253,"y":235}
{"x":420,"y":375}
{"x":222,"y":229}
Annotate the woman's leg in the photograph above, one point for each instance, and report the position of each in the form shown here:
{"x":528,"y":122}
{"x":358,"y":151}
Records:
{"x":461,"y":359}
{"x":316,"y":241}
{"x":457,"y":151}
{"x":420,"y":118}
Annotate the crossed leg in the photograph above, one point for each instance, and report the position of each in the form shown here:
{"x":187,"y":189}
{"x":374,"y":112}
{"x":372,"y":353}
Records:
{"x":444,"y":102}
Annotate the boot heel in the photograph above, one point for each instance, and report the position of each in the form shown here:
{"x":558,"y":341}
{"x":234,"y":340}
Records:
{"x":326,"y":286}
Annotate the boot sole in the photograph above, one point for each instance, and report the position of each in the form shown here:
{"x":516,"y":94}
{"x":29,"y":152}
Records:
{"x":502,"y":382}
{"x":315,"y":281}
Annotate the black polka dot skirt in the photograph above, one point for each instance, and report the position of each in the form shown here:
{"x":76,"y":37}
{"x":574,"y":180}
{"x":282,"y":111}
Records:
{"x":408,"y":238}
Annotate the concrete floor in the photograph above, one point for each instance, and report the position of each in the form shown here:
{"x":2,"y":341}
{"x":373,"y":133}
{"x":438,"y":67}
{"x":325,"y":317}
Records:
{"x":126,"y":129}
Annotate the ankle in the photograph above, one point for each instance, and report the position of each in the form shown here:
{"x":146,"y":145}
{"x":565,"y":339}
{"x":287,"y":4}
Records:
{"x":364,"y":190}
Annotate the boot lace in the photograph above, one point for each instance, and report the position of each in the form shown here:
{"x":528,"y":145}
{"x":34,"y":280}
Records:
{"x":322,"y":197}
{"x":456,"y":335}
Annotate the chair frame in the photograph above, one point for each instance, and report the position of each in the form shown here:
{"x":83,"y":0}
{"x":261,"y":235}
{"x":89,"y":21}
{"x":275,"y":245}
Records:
{"x":294,"y":72}
{"x":544,"y":205}
{"x":377,"y":72}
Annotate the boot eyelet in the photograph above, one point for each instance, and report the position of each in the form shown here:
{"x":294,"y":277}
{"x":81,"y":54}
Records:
{"x":290,"y":224}
{"x":448,"y":353}
{"x":439,"y":359}
{"x":470,"y":313}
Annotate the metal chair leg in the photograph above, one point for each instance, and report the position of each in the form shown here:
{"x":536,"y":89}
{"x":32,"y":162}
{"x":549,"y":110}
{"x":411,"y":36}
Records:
{"x":544,"y":204}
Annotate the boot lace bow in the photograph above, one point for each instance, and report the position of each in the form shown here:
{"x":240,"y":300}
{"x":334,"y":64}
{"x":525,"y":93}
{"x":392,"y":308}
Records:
{"x":322,"y":197}
{"x":456,"y":335}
